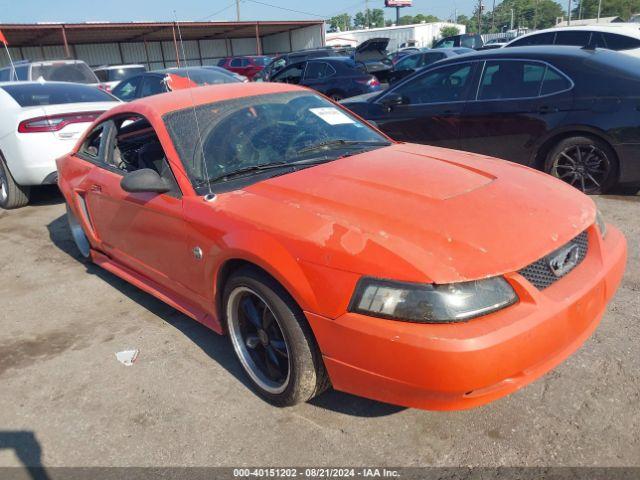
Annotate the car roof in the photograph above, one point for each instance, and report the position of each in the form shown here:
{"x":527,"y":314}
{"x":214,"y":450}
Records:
{"x":117,"y":67}
{"x":631,"y":29}
{"x":34,"y":82}
{"x":179,"y":99}
{"x":540,"y":52}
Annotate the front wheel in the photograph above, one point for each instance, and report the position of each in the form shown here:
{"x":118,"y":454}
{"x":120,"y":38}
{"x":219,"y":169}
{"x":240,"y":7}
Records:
{"x":586,"y":163}
{"x":272,"y":340}
{"x":12,"y":195}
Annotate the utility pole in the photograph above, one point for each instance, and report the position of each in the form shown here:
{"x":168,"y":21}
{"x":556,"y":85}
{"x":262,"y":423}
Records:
{"x":599,"y":9}
{"x":569,"y":13}
{"x":535,"y":15}
{"x":493,"y":16}
{"x":511,"y":19}
{"x":479,"y":17}
{"x":580,"y":9}
{"x":366,"y":13}
{"x":237,"y":10}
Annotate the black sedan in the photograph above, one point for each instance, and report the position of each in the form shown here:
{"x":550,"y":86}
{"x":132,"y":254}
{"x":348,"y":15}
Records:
{"x":572,"y":112}
{"x":161,"y":81}
{"x":336,"y":77}
{"x":423,"y":58}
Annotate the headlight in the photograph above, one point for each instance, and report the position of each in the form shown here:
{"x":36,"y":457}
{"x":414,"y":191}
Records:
{"x":427,"y":303}
{"x":602,"y":226}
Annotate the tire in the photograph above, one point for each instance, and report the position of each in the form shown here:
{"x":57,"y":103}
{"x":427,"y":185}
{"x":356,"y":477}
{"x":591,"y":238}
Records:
{"x":12,"y":195}
{"x":272,"y":339}
{"x":78,"y":235}
{"x":587,"y":163}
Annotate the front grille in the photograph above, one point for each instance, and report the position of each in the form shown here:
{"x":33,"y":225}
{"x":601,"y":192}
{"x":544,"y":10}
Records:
{"x":540,"y":274}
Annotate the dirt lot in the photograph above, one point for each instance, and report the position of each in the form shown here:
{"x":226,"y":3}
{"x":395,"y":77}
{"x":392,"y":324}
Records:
{"x":66,"y":401}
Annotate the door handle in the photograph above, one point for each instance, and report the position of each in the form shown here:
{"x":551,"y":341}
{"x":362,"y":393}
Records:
{"x":95,"y":188}
{"x":547,"y":109}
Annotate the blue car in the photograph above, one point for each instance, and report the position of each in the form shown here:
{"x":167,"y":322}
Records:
{"x":336,"y":77}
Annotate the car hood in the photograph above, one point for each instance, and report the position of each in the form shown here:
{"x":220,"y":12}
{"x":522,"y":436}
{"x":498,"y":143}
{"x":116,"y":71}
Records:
{"x":373,"y":45}
{"x":416,"y":213}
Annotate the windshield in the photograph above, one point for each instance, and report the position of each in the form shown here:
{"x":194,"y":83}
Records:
{"x":34,"y":94}
{"x":64,"y":72}
{"x":249,"y":132}
{"x":117,"y":74}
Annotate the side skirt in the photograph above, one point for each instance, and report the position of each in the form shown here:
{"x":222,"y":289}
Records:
{"x":149,"y":286}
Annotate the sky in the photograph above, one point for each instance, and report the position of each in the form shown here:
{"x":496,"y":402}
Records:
{"x":69,"y":11}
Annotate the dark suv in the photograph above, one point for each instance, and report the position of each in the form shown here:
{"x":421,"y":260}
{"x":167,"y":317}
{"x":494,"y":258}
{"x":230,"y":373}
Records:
{"x":281,"y":61}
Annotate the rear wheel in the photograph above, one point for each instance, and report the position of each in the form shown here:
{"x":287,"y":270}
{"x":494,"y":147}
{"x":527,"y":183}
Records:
{"x":12,"y":195}
{"x":272,"y":339}
{"x":586,"y":163}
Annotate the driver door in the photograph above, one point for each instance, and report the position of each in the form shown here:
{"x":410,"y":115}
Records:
{"x":429,"y":106}
{"x":144,"y":232}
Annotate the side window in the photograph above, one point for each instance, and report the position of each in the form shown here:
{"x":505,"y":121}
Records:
{"x":4,"y":74}
{"x":152,"y":85}
{"x":135,"y":146}
{"x":292,"y":74}
{"x":431,"y":57}
{"x":554,"y":82}
{"x":22,"y":73}
{"x":577,"y":38}
{"x":316,"y":70}
{"x":510,"y":79}
{"x":236,"y":62}
{"x":546,"y":38}
{"x":90,"y":148}
{"x":620,"y":42}
{"x":446,"y":84}
{"x":222,"y":62}
{"x":102,"y":75}
{"x":330,"y":72}
{"x":408,"y":63}
{"x":127,"y":89}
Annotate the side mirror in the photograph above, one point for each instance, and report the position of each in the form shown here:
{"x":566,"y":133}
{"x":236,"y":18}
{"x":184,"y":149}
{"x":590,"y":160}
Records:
{"x":144,"y":180}
{"x":393,"y":99}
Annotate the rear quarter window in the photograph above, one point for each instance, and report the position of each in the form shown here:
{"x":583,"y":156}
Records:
{"x":620,"y":42}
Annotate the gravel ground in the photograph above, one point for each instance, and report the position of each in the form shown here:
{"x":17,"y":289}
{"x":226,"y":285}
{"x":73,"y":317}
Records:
{"x":66,"y":401}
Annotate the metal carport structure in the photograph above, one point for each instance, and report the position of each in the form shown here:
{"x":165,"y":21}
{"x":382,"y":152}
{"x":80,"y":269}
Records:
{"x":157,"y":44}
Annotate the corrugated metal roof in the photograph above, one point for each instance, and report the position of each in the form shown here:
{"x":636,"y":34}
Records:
{"x":25,"y":35}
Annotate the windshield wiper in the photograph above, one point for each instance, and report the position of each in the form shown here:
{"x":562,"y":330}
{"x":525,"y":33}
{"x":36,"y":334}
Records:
{"x":340,"y":143}
{"x":245,"y":170}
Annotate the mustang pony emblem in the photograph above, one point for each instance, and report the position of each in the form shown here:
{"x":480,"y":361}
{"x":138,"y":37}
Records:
{"x":564,"y":259}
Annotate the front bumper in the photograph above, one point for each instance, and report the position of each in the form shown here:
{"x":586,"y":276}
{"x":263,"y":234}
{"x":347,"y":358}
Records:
{"x":458,"y":366}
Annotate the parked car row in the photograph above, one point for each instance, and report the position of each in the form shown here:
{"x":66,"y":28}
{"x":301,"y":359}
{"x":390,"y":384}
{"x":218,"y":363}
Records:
{"x":568,"y":111}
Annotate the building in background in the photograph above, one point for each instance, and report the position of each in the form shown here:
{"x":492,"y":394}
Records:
{"x":156,"y":45}
{"x":418,"y":35}
{"x":585,"y":22}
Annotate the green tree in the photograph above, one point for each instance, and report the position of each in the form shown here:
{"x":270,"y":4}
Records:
{"x":610,"y":8}
{"x":449,"y":31}
{"x":371,"y":18}
{"x":406,"y":20}
{"x":534,"y":14}
{"x":340,"y":22}
{"x":425,"y":18}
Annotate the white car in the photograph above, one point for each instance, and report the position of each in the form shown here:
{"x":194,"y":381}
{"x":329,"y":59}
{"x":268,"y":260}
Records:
{"x":622,"y":37}
{"x":40,"y":122}
{"x":75,"y":71}
{"x":112,"y":75}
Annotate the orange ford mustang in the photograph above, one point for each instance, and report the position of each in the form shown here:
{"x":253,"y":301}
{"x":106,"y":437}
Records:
{"x":332,"y":255}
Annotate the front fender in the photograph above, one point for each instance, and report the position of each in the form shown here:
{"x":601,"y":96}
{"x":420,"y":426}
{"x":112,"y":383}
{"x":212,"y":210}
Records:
{"x":268,"y":253}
